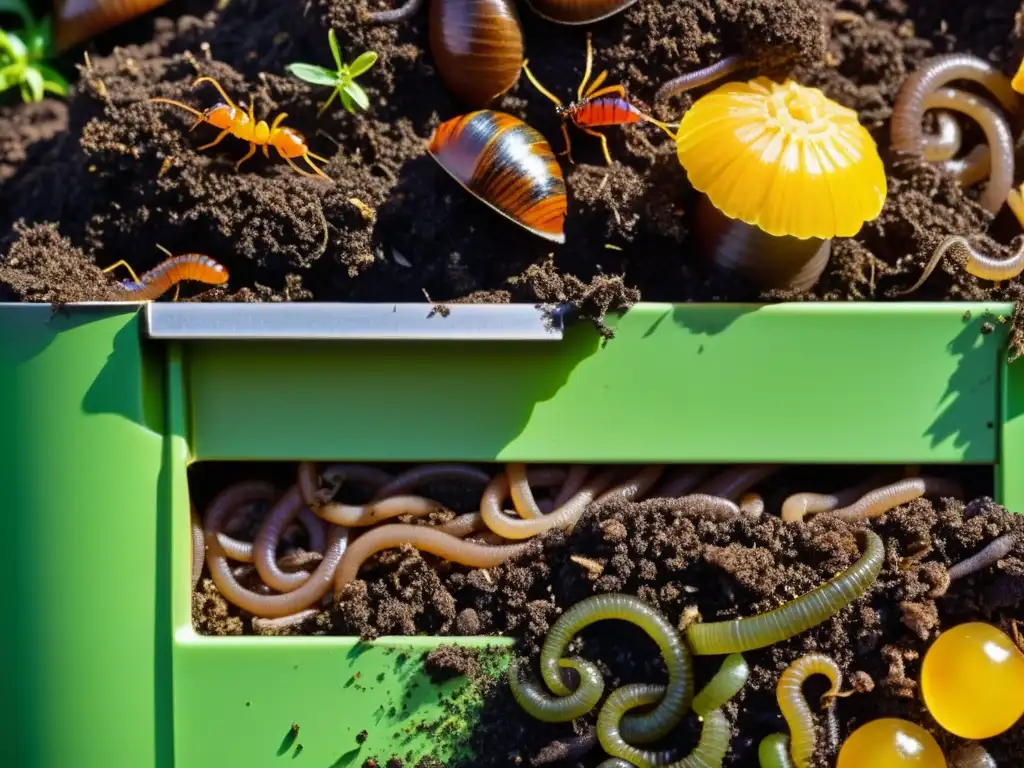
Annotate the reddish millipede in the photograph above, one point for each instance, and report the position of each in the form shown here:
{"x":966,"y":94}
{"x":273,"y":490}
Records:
{"x":171,"y":272}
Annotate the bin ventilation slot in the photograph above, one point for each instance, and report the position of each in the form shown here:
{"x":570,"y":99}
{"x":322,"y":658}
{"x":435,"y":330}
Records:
{"x":334,"y":321}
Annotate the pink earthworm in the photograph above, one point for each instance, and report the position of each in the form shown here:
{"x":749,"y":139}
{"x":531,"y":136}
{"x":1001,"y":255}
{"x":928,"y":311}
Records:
{"x":287,"y":508}
{"x":274,"y":626}
{"x":701,"y":77}
{"x":907,"y":132}
{"x":946,"y":142}
{"x":419,"y":476}
{"x":518,"y":480}
{"x":198,"y":545}
{"x":564,"y":517}
{"x":735,"y":481}
{"x":881,"y":500}
{"x":334,"y":476}
{"x":269,"y":606}
{"x":989,"y":556}
{"x":236,"y":497}
{"x":422,"y":538}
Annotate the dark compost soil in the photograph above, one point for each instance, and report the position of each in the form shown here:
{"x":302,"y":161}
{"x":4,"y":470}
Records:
{"x":119,"y":175}
{"x":684,"y":563}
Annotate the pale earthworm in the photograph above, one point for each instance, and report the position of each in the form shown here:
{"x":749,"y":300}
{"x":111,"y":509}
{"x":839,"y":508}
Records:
{"x":573,"y":482}
{"x":799,"y":505}
{"x":335,"y":476}
{"x":672,"y":702}
{"x":977,"y":263}
{"x":971,"y":755}
{"x":973,"y":167}
{"x":423,"y":538}
{"x":198,"y":545}
{"x":998,"y":137}
{"x":636,"y":486}
{"x":463,"y":525}
{"x":563,"y":517}
{"x":773,"y":752}
{"x":881,"y":500}
{"x":417,"y":477}
{"x":715,"y":507}
{"x":796,"y":616}
{"x":287,"y":508}
{"x":273,"y":626}
{"x":518,"y":481}
{"x":752,"y":504}
{"x":300,"y":560}
{"x":270,"y":606}
{"x":795,"y":709}
{"x":946,"y":142}
{"x":231,"y":499}
{"x":402,"y":13}
{"x":682,"y":483}
{"x":701,"y":77}
{"x":987,"y":557}
{"x":735,"y":481}
{"x":907,"y":131}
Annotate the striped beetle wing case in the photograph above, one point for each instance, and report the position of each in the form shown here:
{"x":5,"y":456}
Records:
{"x":506,"y":164}
{"x":578,"y":11}
{"x":477,"y":46}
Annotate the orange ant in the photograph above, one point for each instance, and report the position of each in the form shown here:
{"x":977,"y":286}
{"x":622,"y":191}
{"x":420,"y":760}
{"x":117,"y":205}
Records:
{"x":289,"y":143}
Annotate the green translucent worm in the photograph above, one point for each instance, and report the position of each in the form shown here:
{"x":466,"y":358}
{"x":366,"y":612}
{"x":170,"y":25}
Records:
{"x":714,"y":736}
{"x":794,"y":617}
{"x":794,"y":706}
{"x":726,"y":683}
{"x":773,"y":752}
{"x":615,"y":762}
{"x":709,"y":752}
{"x":637,"y":729}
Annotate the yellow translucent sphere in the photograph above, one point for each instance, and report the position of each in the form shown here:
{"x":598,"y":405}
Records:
{"x":972,"y":681}
{"x":784,"y":158}
{"x":891,"y":743}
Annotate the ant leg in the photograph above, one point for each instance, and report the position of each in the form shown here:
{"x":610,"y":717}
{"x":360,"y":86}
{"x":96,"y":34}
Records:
{"x":250,"y":153}
{"x":266,"y":151}
{"x":604,"y":142}
{"x":177,"y":290}
{"x":218,"y":140}
{"x":598,"y":82}
{"x":216,"y":85}
{"x":126,"y":265}
{"x":586,"y":72}
{"x":310,"y":164}
{"x":618,"y":90}
{"x":568,"y":144}
{"x":317,"y":157}
{"x":277,"y":121}
{"x":298,"y":170}
{"x":536,"y":84}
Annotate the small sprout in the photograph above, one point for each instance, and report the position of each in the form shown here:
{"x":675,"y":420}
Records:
{"x":22,"y":54}
{"x":343,"y":80}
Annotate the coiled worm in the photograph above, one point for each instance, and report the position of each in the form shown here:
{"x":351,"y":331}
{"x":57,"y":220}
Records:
{"x":795,"y":709}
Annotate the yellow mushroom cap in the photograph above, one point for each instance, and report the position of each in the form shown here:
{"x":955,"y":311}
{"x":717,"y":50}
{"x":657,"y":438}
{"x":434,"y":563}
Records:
{"x":784,"y":158}
{"x":1018,"y":80}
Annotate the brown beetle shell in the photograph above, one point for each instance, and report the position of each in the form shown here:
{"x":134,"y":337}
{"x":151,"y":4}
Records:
{"x":578,"y":11}
{"x":508,"y":165}
{"x":765,"y":260}
{"x":75,"y":21}
{"x":477,"y":46}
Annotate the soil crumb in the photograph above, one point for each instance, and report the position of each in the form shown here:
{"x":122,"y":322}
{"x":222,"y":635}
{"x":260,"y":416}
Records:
{"x":448,"y":661}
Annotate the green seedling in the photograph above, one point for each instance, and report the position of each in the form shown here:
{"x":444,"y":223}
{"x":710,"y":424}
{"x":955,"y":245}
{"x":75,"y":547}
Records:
{"x":343,"y":80}
{"x":23,"y":52}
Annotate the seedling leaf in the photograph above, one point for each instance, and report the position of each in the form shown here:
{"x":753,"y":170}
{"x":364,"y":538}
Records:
{"x":311,"y":73}
{"x":33,"y":79}
{"x":332,"y":40}
{"x":346,"y":101}
{"x":362,"y":63}
{"x":54,"y":81}
{"x":358,"y":95}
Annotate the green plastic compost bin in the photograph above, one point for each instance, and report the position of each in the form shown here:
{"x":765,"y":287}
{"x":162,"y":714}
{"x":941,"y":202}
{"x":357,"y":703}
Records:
{"x":104,"y":406}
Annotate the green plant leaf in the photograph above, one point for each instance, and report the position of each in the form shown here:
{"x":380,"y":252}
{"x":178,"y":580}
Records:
{"x":358,"y":95}
{"x":311,"y":73}
{"x":13,"y":45}
{"x":362,"y":63}
{"x":33,"y":78}
{"x":346,"y":101}
{"x":10,"y":76}
{"x":332,"y":40}
{"x":18,"y":8}
{"x":53,"y":81}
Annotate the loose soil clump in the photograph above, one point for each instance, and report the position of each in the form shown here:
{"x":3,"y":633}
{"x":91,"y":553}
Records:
{"x":119,"y":175}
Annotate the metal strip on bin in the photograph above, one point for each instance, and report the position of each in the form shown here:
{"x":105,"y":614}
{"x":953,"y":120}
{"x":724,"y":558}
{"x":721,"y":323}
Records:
{"x":355,"y":321}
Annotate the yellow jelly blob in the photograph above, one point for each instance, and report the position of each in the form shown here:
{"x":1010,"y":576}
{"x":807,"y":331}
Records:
{"x":891,"y":743}
{"x":972,"y":681}
{"x":1018,"y":80}
{"x":784,"y":158}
